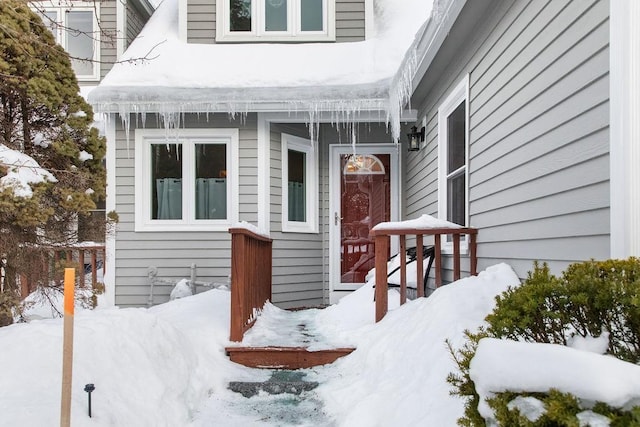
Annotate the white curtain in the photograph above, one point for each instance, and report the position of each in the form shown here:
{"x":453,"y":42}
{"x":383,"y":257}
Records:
{"x":297,"y":201}
{"x":211,"y":198}
{"x":169,"y":194}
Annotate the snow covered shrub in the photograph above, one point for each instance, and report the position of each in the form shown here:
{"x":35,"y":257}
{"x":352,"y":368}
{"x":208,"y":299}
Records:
{"x":591,"y":299}
{"x":556,"y":409}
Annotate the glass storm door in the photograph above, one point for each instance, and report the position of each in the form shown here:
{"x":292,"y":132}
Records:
{"x":363,"y":190}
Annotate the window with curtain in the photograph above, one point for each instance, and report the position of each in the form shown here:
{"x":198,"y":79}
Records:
{"x":297,"y":197}
{"x":299,"y":185}
{"x":211,"y":181}
{"x":166,"y":181}
{"x":188,"y":182}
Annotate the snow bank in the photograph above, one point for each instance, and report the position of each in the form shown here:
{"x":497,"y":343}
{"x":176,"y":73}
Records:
{"x":150,"y":367}
{"x":166,"y":366}
{"x":505,"y":365}
{"x":397,"y":375}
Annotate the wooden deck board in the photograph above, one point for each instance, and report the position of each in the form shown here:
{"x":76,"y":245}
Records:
{"x":284,"y":357}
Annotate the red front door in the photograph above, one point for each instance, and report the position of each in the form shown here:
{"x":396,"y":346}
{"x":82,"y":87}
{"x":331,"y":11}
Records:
{"x":365,"y":200}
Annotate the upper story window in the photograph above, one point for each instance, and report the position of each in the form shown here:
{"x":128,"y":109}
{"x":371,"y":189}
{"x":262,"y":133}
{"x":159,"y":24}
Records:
{"x":275,"y":20}
{"x":75,"y":28}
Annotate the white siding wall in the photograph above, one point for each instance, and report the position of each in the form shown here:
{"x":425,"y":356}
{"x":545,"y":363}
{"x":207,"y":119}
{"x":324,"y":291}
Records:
{"x":539,"y":108}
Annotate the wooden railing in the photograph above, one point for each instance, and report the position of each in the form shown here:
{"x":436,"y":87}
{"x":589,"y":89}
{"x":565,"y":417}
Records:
{"x":48,"y":263}
{"x":250,"y":278}
{"x":382,"y":238}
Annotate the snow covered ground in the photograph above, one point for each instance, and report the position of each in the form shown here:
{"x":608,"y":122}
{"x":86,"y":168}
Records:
{"x":166,"y":366}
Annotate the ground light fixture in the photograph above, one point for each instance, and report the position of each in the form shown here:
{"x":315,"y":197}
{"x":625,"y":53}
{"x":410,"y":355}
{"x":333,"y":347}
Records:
{"x":89,"y":388}
{"x":415,"y":138}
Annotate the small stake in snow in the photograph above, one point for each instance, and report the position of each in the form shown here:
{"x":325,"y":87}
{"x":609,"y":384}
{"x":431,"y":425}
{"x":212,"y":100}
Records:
{"x":89,"y":388}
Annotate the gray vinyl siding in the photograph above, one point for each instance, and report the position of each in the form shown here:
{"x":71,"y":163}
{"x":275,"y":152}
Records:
{"x":350,"y":20}
{"x":173,"y":252}
{"x":201,"y":21}
{"x":538,"y":133}
{"x":108,"y":40}
{"x":297,"y":257}
{"x":135,"y":20}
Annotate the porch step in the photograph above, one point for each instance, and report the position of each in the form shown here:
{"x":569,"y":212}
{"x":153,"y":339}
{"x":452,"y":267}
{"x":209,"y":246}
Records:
{"x":284,"y":357}
{"x":291,"y":382}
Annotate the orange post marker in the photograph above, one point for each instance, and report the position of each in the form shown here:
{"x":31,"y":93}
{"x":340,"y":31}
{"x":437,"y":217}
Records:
{"x":69,"y":290}
{"x":67,"y":347}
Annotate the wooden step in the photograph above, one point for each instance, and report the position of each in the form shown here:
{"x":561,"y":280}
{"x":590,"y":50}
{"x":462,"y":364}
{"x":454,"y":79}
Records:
{"x":284,"y":357}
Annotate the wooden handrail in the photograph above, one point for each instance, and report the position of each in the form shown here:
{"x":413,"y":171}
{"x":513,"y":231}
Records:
{"x":382,"y":237}
{"x":251,"y":265}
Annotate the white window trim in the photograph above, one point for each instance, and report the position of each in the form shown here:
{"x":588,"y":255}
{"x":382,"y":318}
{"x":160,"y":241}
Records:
{"x":188,"y":137}
{"x":60,"y":8}
{"x":624,"y":129}
{"x":258,"y":33}
{"x":311,"y":177}
{"x":459,"y":94}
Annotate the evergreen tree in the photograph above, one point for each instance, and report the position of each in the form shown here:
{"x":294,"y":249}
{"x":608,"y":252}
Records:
{"x":43,"y":116}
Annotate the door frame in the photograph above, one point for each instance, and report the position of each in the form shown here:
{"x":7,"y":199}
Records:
{"x":336,"y":288}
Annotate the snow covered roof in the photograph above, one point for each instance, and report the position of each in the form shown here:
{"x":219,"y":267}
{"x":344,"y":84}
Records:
{"x":178,"y":77}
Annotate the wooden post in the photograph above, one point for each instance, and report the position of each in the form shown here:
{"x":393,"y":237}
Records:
{"x":67,"y":347}
{"x":81,"y":269}
{"x":238,"y":289}
{"x":436,"y":260}
{"x":473,"y":246}
{"x":420,"y":266}
{"x":382,"y":254}
{"x":456,"y":256}
{"x":94,"y":269}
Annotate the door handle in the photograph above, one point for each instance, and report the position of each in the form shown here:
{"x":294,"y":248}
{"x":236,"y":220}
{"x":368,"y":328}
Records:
{"x":336,"y":218}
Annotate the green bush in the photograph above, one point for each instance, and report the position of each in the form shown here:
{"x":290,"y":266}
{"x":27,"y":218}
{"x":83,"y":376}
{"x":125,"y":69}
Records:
{"x":588,"y":299}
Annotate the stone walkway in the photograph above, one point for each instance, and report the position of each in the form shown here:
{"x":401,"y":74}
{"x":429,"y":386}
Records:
{"x":285,"y":399}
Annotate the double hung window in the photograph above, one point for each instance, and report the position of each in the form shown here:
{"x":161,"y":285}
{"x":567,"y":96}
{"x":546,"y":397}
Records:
{"x":453,"y":156}
{"x":299,"y":188}
{"x":186,"y":183}
{"x":275,"y":20}
{"x":75,"y":28}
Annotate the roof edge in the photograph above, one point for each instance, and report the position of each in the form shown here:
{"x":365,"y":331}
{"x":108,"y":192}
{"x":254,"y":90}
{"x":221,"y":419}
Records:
{"x":145,"y":6}
{"x":106,"y":99}
{"x":433,"y":34}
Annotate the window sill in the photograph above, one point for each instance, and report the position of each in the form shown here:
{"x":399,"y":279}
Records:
{"x":252,"y":38}
{"x":171,"y":227}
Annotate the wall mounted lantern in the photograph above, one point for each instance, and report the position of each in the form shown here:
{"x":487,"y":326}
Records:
{"x":415,"y":138}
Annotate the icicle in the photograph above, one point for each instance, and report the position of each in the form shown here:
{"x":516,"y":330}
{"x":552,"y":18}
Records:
{"x":124,"y":119}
